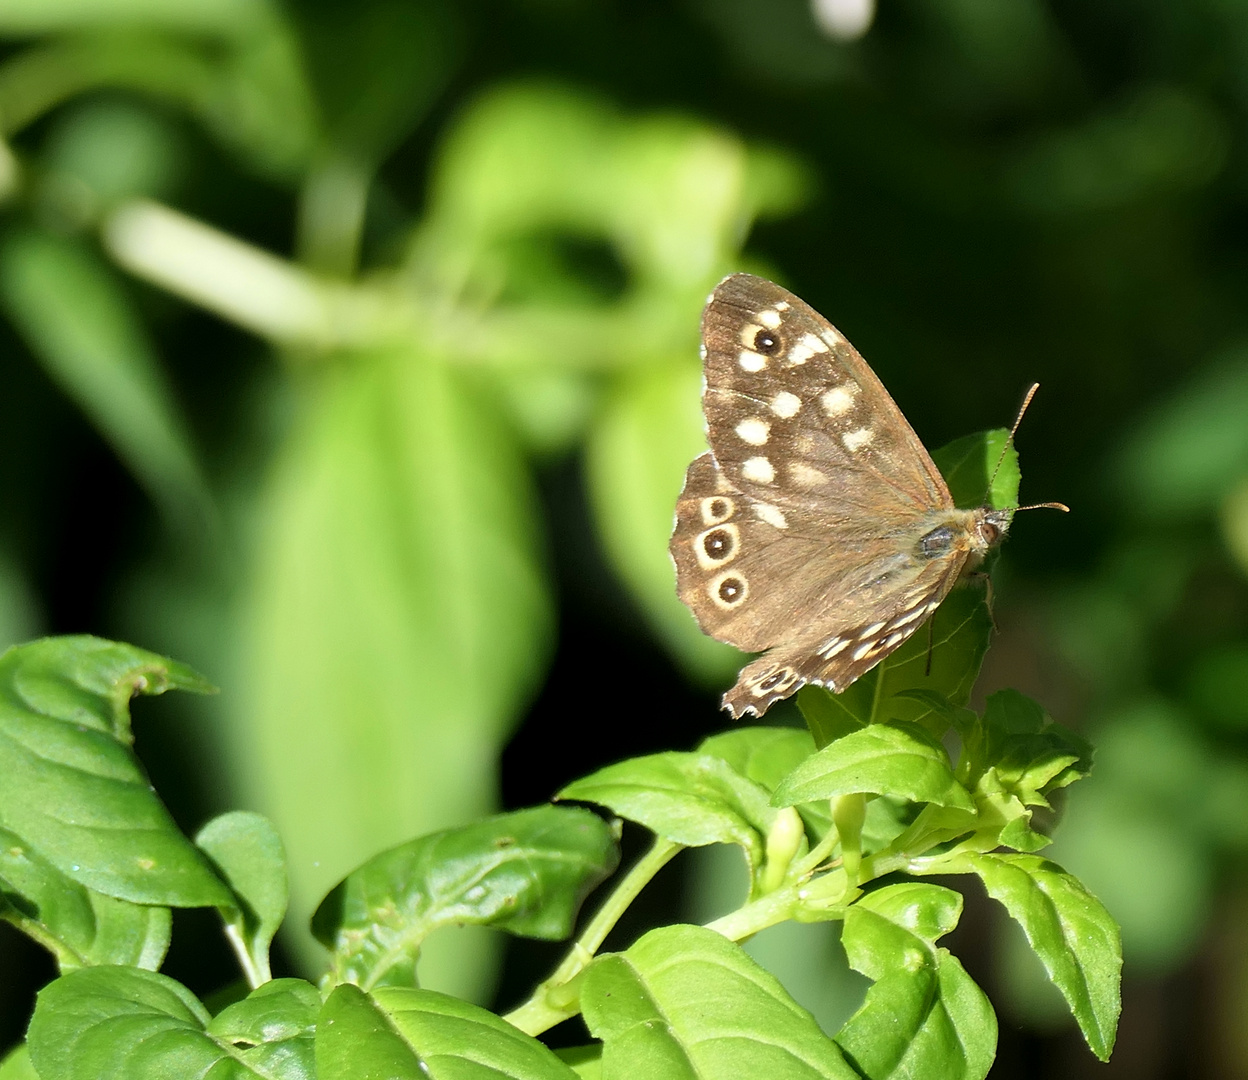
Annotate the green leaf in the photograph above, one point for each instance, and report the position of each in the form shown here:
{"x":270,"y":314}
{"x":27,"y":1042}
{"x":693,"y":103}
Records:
{"x":81,"y":927}
{"x":525,"y":872}
{"x":129,"y":1024}
{"x":273,"y":1029}
{"x":82,"y":327}
{"x":70,"y":785}
{"x":124,"y":1023}
{"x":585,"y":1061}
{"x":923,"y":1016}
{"x":896,"y":758}
{"x":407,"y":1034}
{"x":691,"y":799}
{"x":248,"y":854}
{"x":1027,"y":753}
{"x":1072,"y":933}
{"x":685,"y":1002}
{"x":397,"y":619}
{"x":16,"y":1064}
{"x":833,"y":716}
{"x":650,"y":430}
{"x":765,"y":755}
{"x":968,"y":465}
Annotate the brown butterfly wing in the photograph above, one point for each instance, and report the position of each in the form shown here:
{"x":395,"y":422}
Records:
{"x":798,"y":532}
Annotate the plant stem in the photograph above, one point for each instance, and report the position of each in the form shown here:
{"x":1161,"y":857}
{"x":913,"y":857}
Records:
{"x":545,"y":1006}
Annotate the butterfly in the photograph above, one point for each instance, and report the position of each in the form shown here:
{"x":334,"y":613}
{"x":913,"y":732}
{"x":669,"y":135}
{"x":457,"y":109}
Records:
{"x":817,"y":529}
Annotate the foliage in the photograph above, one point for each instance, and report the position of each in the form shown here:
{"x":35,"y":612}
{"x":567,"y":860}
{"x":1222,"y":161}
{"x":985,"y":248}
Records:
{"x":681,"y":1001}
{"x":465,"y":287}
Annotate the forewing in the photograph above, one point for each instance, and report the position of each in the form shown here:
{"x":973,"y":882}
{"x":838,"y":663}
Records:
{"x":796,"y":418}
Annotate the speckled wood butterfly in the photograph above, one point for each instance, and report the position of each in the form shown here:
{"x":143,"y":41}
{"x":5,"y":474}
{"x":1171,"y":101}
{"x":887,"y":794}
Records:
{"x":817,"y":527}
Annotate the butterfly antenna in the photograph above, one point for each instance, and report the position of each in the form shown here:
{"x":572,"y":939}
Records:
{"x":1010,"y":438}
{"x":1005,"y":449}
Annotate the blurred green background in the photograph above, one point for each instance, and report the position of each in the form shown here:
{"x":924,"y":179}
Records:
{"x":349,"y":353}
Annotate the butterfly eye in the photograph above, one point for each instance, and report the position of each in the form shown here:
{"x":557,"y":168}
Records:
{"x":767,"y":342}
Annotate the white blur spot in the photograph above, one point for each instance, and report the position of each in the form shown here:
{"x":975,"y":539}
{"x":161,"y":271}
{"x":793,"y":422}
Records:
{"x":844,"y":20}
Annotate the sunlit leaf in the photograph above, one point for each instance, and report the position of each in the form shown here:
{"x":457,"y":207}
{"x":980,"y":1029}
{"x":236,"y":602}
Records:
{"x":686,"y":1002}
{"x":765,"y":755}
{"x":923,"y":1016}
{"x":422,"y":1035}
{"x":692,"y":799}
{"x":1072,"y":933}
{"x":895,"y":758}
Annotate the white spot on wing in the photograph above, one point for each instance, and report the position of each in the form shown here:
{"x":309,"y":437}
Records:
{"x":786,"y":405}
{"x":892,"y":640}
{"x":871,"y":631}
{"x":782,"y":305}
{"x":769,"y":318}
{"x":807,"y":347}
{"x":771,"y":514}
{"x":907,"y":617}
{"x":751,"y":361}
{"x":839,"y":400}
{"x":806,"y":476}
{"x":753,"y":431}
{"x":856,"y":440}
{"x":749,"y":332}
{"x":862,"y":650}
{"x":833,"y":646}
{"x":832,"y":337}
{"x":759,"y":470}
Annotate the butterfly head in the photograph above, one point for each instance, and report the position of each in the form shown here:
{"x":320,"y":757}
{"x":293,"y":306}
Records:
{"x":988,"y":528}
